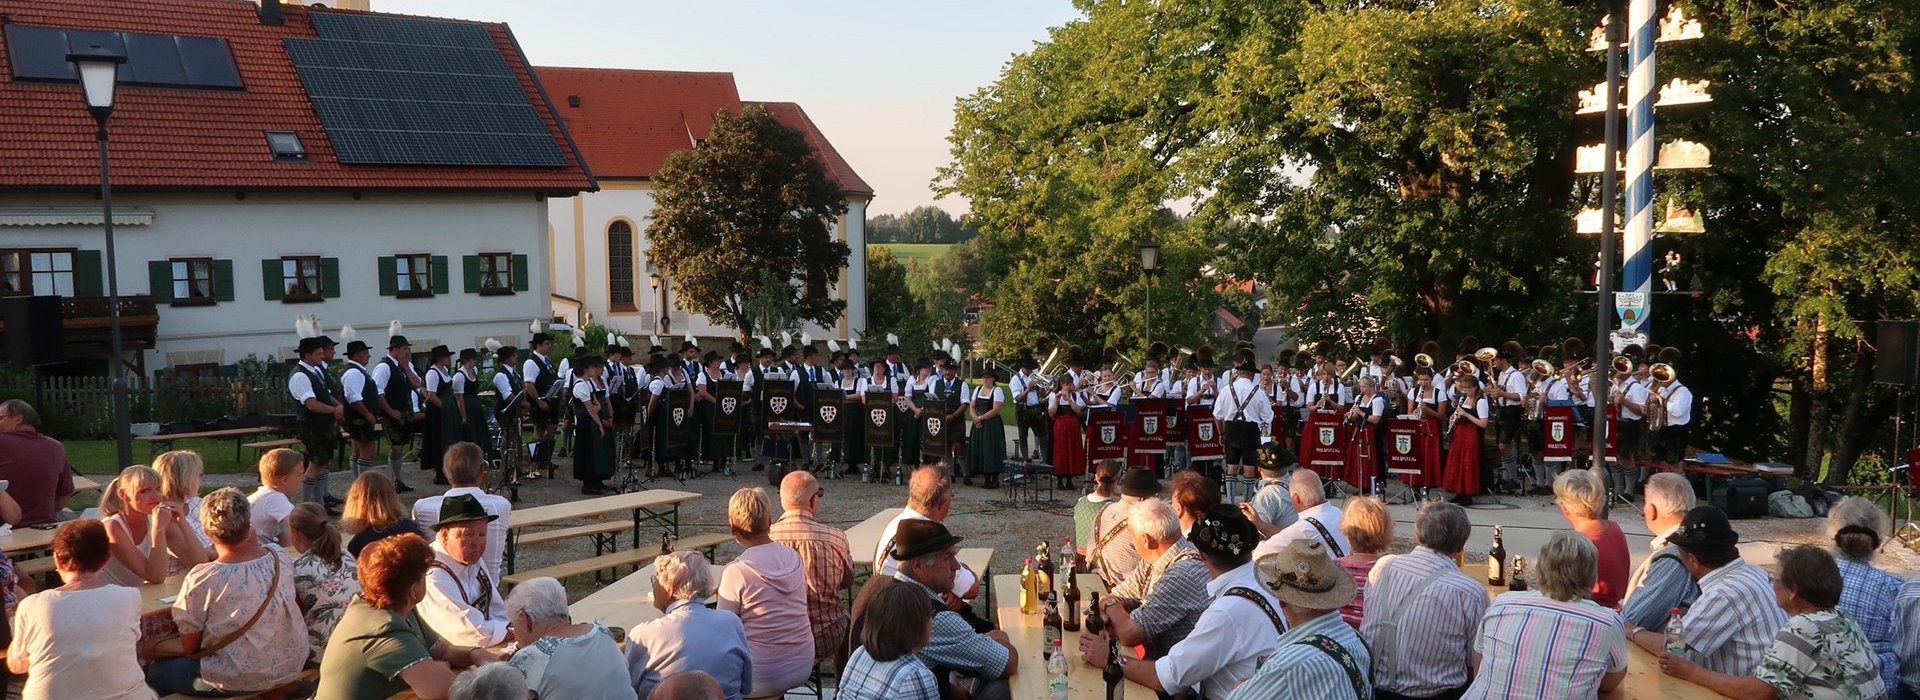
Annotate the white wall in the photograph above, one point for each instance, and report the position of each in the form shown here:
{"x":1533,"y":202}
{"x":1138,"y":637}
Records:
{"x":269,"y":224}
{"x":579,"y":263}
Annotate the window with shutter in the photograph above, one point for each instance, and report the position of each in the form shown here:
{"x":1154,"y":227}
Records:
{"x":190,"y":281}
{"x":496,"y":273}
{"x":44,"y":272}
{"x":413,"y":275}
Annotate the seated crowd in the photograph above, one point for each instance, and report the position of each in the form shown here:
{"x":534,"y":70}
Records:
{"x":1287,"y":596}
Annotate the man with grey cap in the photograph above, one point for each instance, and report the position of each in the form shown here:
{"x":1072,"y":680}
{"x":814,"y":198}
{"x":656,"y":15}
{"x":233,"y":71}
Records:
{"x":1319,"y":657}
{"x":927,"y":556}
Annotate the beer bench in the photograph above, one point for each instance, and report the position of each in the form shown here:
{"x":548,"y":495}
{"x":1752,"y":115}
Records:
{"x":157,"y":444}
{"x":260,"y":449}
{"x":637,"y":558}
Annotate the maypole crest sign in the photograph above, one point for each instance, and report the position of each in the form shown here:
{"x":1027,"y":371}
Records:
{"x":1632,"y":309}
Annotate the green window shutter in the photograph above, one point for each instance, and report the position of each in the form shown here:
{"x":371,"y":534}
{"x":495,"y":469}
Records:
{"x":86,"y":274}
{"x":439,"y":270}
{"x":222,"y":280}
{"x":273,"y":276}
{"x":470,"y":273}
{"x":160,"y":280}
{"x":520,"y":282}
{"x":388,"y":287}
{"x":330,"y":278}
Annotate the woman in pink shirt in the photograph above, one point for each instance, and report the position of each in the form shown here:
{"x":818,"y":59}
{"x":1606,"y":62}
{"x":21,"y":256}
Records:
{"x":767,"y":587}
{"x":1582,"y":497}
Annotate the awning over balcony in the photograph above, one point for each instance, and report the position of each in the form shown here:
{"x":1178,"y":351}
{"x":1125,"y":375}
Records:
{"x":73,"y":216}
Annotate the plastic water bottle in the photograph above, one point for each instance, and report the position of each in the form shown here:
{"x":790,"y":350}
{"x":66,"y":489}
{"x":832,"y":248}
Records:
{"x":1057,"y":671}
{"x":1676,"y":637}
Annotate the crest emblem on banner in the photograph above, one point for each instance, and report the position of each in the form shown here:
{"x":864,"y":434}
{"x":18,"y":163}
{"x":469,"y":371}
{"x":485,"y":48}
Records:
{"x":778,"y":404}
{"x":729,"y":405}
{"x":1559,"y":431}
{"x":933,"y":426}
{"x":900,"y":404}
{"x":1326,"y":436}
{"x":1204,"y":432}
{"x":1173,"y":420}
{"x":1150,"y":425}
{"x":1403,"y":444}
{"x":828,"y":412}
{"x":679,"y":416}
{"x":1108,"y":435}
{"x":878,"y":416}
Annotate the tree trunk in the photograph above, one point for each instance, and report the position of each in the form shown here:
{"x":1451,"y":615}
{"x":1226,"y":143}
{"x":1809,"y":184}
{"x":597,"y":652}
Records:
{"x":1820,"y":394}
{"x":1851,"y":438}
{"x":1799,"y":402}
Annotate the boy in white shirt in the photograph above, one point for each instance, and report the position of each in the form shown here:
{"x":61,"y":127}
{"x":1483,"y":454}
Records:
{"x":280,"y":478}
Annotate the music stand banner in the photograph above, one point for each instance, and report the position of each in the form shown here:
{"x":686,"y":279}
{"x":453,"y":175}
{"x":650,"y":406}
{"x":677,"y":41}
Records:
{"x":933,"y":433}
{"x":825,"y":415}
{"x":1559,"y":430}
{"x":1106,"y":435}
{"x":1150,"y":425}
{"x":1403,"y":445}
{"x":1323,"y":442}
{"x":879,"y":415}
{"x":781,"y":406}
{"x":679,"y":415}
{"x":728,"y":400}
{"x":1204,"y":440}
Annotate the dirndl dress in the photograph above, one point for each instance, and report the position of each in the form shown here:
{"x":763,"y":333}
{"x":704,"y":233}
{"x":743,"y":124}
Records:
{"x":1069,"y":452}
{"x":1463,"y":459}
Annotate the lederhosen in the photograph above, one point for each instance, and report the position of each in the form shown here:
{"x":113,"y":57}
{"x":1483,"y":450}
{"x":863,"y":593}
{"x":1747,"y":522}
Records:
{"x":542,"y":383}
{"x":399,"y":397}
{"x":1242,"y":435}
{"x":359,"y":427}
{"x":319,"y":434}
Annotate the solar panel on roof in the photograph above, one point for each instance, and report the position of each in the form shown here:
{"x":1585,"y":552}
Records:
{"x":40,"y":53}
{"x":407,"y":91}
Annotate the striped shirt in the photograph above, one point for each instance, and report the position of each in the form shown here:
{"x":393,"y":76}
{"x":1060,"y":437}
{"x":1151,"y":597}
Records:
{"x":1661,"y":584}
{"x":1420,"y":620}
{"x":1730,"y":627}
{"x":1533,"y":646}
{"x":1300,"y":671}
{"x":829,"y":566}
{"x":1867,"y":597}
{"x":1906,"y":634}
{"x":1821,"y":655}
{"x":1172,"y":592}
{"x":1228,"y":642}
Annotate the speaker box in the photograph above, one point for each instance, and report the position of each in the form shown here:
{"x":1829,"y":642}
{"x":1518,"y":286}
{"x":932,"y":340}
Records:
{"x":33,"y":330}
{"x":1897,"y":357}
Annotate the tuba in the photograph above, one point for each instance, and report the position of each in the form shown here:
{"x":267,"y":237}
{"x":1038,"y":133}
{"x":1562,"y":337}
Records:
{"x":1663,"y":375}
{"x":1423,"y":360}
{"x":1536,"y":399}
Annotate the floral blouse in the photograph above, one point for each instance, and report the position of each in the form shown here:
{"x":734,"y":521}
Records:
{"x":218,"y":598}
{"x":1822,"y":656}
{"x":323,"y":593}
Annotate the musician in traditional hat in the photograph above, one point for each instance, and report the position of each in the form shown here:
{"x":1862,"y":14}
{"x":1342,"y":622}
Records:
{"x":667,"y":377}
{"x":395,"y":384}
{"x":360,"y":393}
{"x":1030,"y":410}
{"x":443,"y":412}
{"x":509,"y":400}
{"x":321,"y":409}
{"x":719,"y":446}
{"x":1676,"y":400}
{"x":1242,"y":410}
{"x":539,"y":380}
{"x":1509,"y":391}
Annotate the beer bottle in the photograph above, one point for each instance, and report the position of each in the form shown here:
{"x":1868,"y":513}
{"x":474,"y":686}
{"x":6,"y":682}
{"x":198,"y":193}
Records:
{"x":1051,"y":621}
{"x":1072,"y":599}
{"x":1043,"y":567}
{"x":1497,"y":561}
{"x":1095,"y":621}
{"x":1114,"y":673}
{"x":1027,"y":589}
{"x":666,"y":541}
{"x":1519,"y":577}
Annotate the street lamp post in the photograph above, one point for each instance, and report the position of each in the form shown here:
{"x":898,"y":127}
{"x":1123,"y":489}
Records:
{"x":99,"y":69}
{"x":1149,"y":266}
{"x":659,"y":303}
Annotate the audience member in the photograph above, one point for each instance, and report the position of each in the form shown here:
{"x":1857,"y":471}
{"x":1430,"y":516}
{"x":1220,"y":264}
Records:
{"x":282,"y":473}
{"x":1271,"y":508}
{"x":1729,"y":628}
{"x":490,"y":682}
{"x":1858,"y":527}
{"x":689,"y":685}
{"x":325,"y":577}
{"x":1422,"y":612}
{"x":1191,"y":494}
{"x":1661,"y":583}
{"x":1318,"y":518}
{"x":927,"y":558}
{"x":79,"y":640}
{"x":240,"y":628}
{"x":689,"y":636}
{"x":465,"y":467}
{"x":1582,"y":497}
{"x":38,"y":475}
{"x":1229,"y":640}
{"x":180,"y":476}
{"x":1906,"y":641}
{"x":1163,"y":598}
{"x":1105,"y":489}
{"x":374,"y":513}
{"x":561,"y":658}
{"x":1553,"y":641}
{"x":463,"y":603}
{"x":825,"y":558}
{"x":887,"y":665}
{"x":1113,"y":555}
{"x":146,"y":535}
{"x":381,"y":647}
{"x":766,"y":585}
{"x":1818,"y":653}
{"x":1313,"y":655}
{"x":929,"y":497}
{"x":1369,"y":528}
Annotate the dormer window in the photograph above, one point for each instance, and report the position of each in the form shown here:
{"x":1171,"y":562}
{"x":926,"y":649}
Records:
{"x":286,"y":147}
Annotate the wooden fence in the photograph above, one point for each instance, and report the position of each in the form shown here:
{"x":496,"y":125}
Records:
{"x":82,"y":407}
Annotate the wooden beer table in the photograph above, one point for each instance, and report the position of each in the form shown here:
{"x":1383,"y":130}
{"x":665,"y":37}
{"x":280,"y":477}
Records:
{"x":1644,"y":678}
{"x":659,"y":506}
{"x":862,"y":539}
{"x":626,"y":603}
{"x":1029,"y":637}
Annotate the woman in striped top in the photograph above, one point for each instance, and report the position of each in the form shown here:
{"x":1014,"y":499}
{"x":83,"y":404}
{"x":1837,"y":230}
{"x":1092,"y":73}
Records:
{"x":1554,"y":642}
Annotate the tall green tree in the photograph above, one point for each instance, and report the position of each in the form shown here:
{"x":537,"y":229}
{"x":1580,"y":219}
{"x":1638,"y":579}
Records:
{"x":747,"y":216}
{"x":890,"y":303}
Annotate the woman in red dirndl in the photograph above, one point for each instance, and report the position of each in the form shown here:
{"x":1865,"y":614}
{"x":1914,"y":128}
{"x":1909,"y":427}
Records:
{"x":1463,"y":456}
{"x":1424,"y":404}
{"x":1069,"y":455}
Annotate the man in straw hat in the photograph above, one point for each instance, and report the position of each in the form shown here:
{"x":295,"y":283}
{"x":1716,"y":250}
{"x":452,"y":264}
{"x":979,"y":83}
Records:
{"x":462,"y":604}
{"x":321,"y":411}
{"x":1320,"y":657}
{"x":1237,"y":631}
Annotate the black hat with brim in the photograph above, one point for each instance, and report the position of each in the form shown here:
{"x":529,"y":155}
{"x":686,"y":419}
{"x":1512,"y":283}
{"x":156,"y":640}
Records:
{"x":506,"y":351}
{"x":1223,"y":530}
{"x":469,"y":354}
{"x":357,"y":347}
{"x":916,"y":538}
{"x":308,"y":345}
{"x":439,"y":351}
{"x":462,"y":508}
{"x":1704,"y":528}
{"x":764,"y":352}
{"x":398,"y":341}
{"x":1140,"y":483}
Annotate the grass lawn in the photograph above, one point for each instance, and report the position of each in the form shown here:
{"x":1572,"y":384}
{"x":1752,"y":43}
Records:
{"x":95,"y":458}
{"x":921,"y":252}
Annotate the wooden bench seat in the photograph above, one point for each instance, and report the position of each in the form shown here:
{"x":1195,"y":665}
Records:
{"x":34,"y":567}
{"x":635,"y":558}
{"x":289,"y":691}
{"x":265,"y":445}
{"x":589,"y":530}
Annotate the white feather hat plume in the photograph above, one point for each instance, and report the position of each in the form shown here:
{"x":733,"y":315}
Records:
{"x":833,"y":345}
{"x":853,"y":343}
{"x":623,"y":340}
{"x":893,"y":339}
{"x":785,"y":339}
{"x":806,"y":339}
{"x":944,"y":344}
{"x":654,"y":342}
{"x":533,"y":328}
{"x":689,"y":337}
{"x":348,"y":334}
{"x":493,"y":346}
{"x":393,"y":328}
{"x":765,"y":342}
{"x":579,"y":338}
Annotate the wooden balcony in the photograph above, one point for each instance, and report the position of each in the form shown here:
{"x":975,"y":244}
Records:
{"x":83,"y":324}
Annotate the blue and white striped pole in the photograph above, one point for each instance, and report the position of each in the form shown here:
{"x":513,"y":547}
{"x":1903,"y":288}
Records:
{"x":1638,"y":268}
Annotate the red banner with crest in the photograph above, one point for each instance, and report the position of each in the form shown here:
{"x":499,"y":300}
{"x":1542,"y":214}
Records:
{"x":1150,"y":425}
{"x":1323,"y":442}
{"x":1204,"y":440}
{"x":1106,"y":434}
{"x":1559,"y":428}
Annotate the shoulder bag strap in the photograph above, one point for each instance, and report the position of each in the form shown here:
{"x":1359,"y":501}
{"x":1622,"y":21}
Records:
{"x":273,"y":589}
{"x":1341,"y":656}
{"x":1332,"y":546}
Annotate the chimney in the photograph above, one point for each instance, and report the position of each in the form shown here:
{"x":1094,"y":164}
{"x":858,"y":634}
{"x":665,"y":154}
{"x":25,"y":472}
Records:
{"x":270,"y":13}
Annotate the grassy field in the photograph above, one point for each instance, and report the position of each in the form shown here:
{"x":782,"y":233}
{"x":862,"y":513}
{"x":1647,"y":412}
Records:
{"x":96,"y":458}
{"x":922,"y":252}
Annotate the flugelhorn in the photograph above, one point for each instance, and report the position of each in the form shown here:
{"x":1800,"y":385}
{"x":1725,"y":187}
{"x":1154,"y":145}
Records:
{"x":1423,"y":360}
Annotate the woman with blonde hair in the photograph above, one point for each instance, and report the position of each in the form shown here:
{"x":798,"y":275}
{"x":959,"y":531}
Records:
{"x":1369,"y":529}
{"x":766,"y":585}
{"x":324,"y":579}
{"x":144,"y":533}
{"x":180,"y":476}
{"x":374,"y":513}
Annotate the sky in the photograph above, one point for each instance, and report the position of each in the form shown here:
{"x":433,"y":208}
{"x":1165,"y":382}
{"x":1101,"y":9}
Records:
{"x":878,"y":77}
